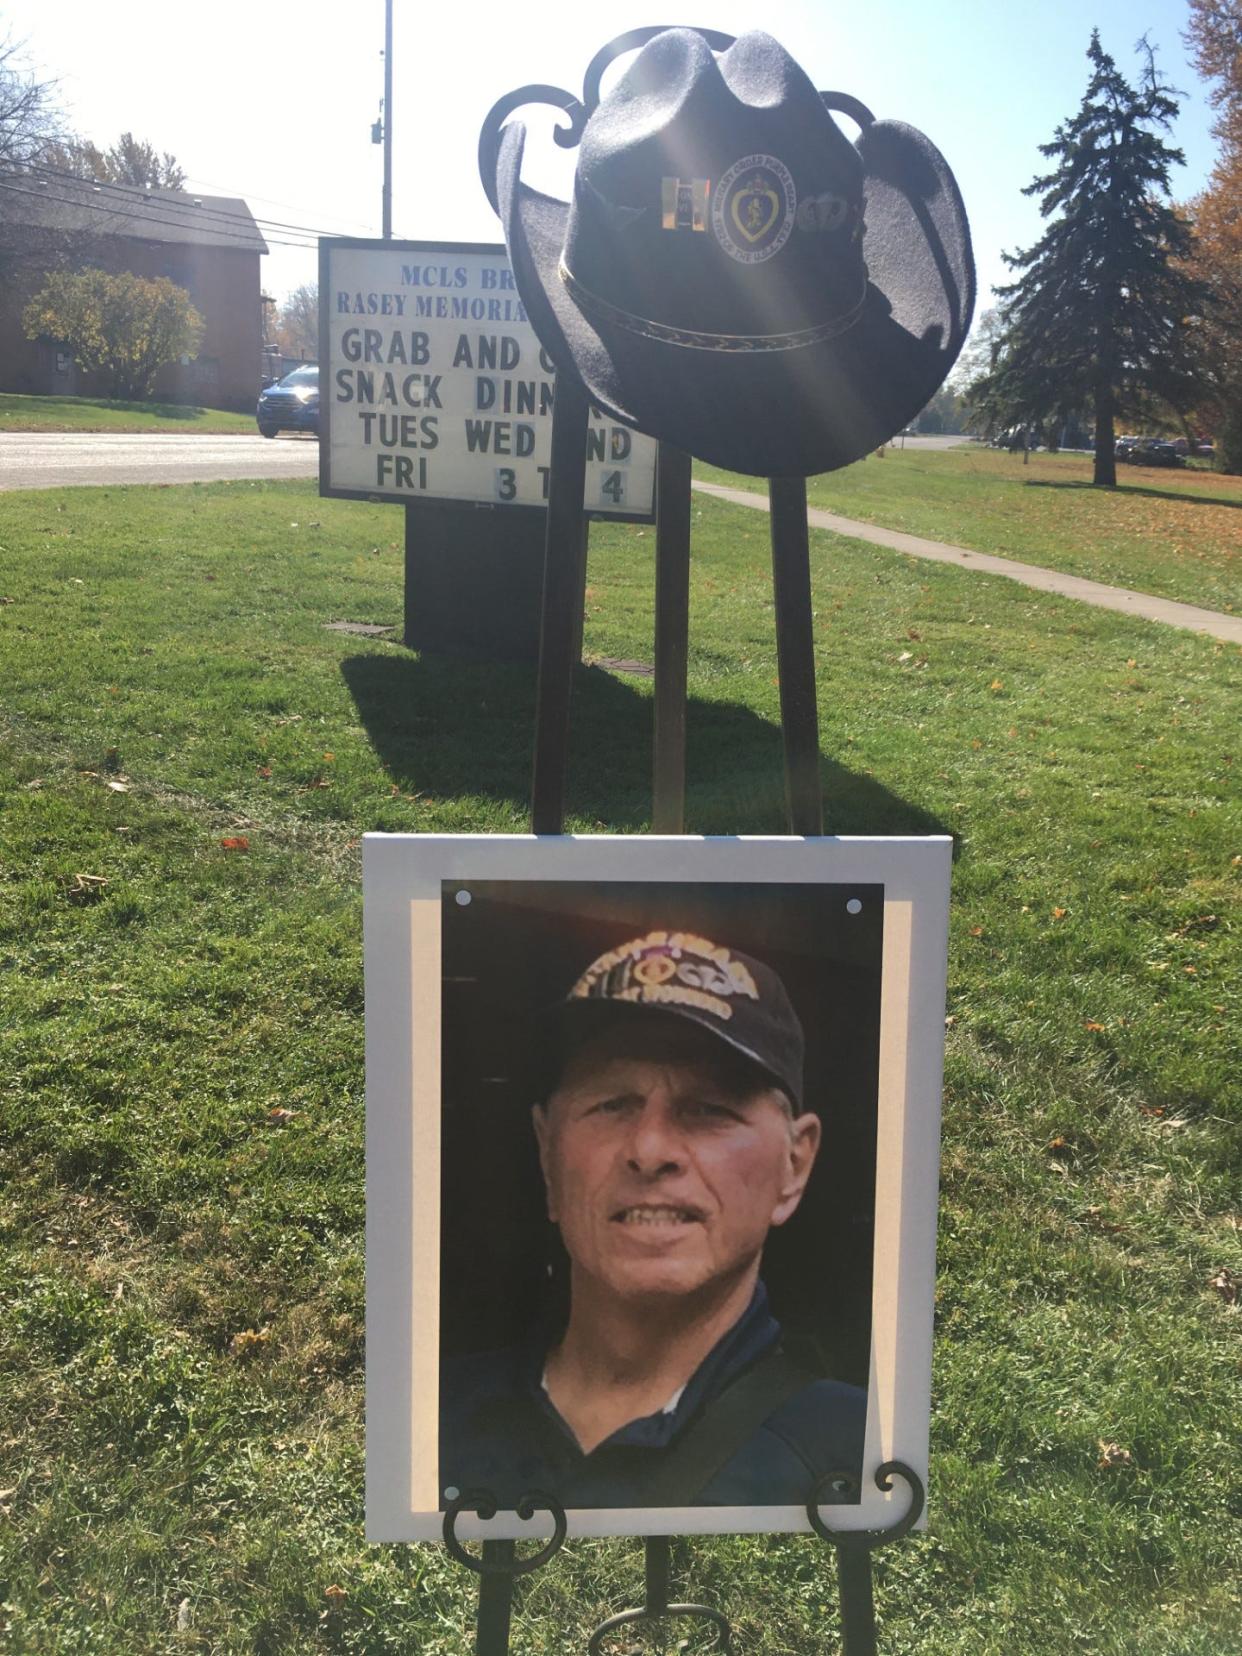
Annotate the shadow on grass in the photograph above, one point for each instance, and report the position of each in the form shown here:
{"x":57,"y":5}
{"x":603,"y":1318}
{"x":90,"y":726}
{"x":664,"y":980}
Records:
{"x":1138,"y":489}
{"x":449,"y":729}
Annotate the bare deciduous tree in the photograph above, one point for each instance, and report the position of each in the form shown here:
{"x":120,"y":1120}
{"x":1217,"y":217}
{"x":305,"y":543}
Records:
{"x":297,"y":322}
{"x":29,"y":116}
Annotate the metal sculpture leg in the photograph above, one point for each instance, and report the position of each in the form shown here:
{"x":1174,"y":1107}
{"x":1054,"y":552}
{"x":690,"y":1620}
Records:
{"x":495,"y":1599}
{"x":561,"y":591}
{"x":498,"y":1566}
{"x":795,"y":653}
{"x":854,"y":1549}
{"x":656,"y":1607}
{"x":857,"y":1604}
{"x":672,"y":626}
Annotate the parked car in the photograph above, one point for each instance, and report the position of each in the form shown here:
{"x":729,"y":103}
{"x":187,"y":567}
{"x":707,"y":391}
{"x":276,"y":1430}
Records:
{"x":1123,"y":445}
{"x":292,"y":404}
{"x":1151,"y":451}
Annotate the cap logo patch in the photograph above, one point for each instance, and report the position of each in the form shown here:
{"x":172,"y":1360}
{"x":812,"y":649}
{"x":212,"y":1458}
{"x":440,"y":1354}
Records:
{"x":668,"y":969}
{"x":753,"y":208}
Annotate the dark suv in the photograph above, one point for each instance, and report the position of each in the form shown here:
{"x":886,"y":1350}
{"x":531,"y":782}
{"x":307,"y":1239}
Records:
{"x":1150,"y":451}
{"x":292,"y":404}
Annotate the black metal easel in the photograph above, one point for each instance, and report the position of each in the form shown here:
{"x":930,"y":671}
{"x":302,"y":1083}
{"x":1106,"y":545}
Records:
{"x":498,"y":1567}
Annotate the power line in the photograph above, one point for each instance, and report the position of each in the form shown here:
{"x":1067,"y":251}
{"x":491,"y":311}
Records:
{"x":294,"y":207}
{"x":223,"y":215}
{"x":118,"y":212}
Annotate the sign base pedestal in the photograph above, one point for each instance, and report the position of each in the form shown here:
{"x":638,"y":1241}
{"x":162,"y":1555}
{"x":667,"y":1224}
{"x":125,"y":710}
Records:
{"x":473,"y":581}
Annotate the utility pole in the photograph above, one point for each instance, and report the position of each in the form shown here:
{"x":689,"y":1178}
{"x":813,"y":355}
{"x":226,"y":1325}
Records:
{"x":387,"y":120}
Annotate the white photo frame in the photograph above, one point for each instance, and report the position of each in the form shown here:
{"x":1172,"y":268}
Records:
{"x":405,"y":878}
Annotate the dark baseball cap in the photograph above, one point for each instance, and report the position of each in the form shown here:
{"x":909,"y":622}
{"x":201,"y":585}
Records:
{"x":679,"y":974}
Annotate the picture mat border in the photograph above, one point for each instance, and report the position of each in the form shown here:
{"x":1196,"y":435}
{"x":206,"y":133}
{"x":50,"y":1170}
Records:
{"x":403,"y":875}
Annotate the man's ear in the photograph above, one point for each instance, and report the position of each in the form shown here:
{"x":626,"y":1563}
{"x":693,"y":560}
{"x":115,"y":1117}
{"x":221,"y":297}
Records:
{"x":543,"y":1132}
{"x":805,"y":1132}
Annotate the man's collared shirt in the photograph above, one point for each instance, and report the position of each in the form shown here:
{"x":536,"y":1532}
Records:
{"x":500,"y":1431}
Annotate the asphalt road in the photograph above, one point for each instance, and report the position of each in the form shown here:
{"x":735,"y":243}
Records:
{"x":56,"y":459}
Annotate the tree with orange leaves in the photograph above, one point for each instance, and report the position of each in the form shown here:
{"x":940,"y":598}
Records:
{"x":1214,"y":39}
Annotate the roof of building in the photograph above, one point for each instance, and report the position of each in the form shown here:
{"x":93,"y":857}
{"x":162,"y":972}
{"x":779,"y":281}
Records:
{"x":55,"y":201}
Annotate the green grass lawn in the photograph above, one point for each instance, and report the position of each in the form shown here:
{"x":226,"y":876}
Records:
{"x":97,"y":414}
{"x":1177,"y":534}
{"x":187,"y":761}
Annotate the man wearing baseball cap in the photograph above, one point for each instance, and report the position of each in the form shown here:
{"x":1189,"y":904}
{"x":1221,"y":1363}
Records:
{"x":672,"y":1137}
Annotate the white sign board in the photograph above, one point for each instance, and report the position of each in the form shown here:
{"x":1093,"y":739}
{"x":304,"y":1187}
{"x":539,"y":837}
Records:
{"x":433,"y":386}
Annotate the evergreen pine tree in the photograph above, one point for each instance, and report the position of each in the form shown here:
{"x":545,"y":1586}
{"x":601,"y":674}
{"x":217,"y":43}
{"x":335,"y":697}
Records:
{"x":1099,"y":316}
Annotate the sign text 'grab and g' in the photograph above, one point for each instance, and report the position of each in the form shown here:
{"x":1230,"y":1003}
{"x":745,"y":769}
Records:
{"x":434,"y":386}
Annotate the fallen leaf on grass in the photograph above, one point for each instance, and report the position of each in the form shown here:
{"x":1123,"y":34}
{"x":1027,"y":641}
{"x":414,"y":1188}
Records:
{"x":265,"y":771}
{"x":235,"y":842}
{"x":185,"y":1616}
{"x":1059,"y":913}
{"x":1112,"y":1454}
{"x":280,"y":1115}
{"x":976,"y":931}
{"x":1226,"y":1285}
{"x":319,"y":782}
{"x":1091,"y":1024}
{"x":335,"y":1594}
{"x":248,"y":1341}
{"x":86,"y":888}
{"x":996,"y":684}
{"x":119,"y":787}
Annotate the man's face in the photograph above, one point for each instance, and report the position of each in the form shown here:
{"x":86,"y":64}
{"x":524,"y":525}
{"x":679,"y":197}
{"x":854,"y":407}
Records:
{"x":666,"y":1161}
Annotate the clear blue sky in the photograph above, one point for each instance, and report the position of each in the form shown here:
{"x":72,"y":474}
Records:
{"x":274,"y":101}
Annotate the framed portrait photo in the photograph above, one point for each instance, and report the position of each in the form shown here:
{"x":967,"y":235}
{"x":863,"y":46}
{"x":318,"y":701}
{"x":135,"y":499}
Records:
{"x":652,"y":1148}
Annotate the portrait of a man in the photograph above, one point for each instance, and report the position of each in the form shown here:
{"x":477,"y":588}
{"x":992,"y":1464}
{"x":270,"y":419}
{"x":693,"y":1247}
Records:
{"x":674,"y":1137}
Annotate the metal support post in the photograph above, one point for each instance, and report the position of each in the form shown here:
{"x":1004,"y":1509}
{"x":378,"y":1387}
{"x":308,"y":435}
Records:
{"x":562,"y":568}
{"x":857,"y":1604}
{"x":672,"y":629}
{"x":795,"y":653}
{"x":495,"y":1599}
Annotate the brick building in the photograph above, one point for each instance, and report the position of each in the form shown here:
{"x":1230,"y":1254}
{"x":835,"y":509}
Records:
{"x":209,"y":245}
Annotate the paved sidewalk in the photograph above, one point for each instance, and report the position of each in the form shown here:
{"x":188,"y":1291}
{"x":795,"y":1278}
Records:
{"x":1228,"y":628}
